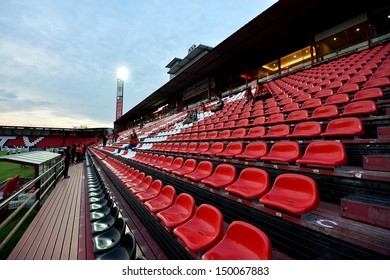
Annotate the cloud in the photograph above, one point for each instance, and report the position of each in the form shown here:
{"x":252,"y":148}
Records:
{"x":58,"y":58}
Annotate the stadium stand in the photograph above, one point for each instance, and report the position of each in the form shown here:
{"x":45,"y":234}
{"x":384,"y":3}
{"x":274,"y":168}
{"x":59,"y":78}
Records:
{"x":304,"y":172}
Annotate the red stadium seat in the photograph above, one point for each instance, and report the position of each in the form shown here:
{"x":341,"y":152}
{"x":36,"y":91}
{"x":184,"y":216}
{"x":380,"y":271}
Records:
{"x":224,"y":134}
{"x":324,"y":152}
{"x":137,"y":180}
{"x":251,"y":183}
{"x":191,"y":147}
{"x":358,"y":108}
{"x":180,"y":212}
{"x":153,"y":191}
{"x":242,"y":123}
{"x":303,"y":97}
{"x":275,"y":118}
{"x":337,"y":99}
{"x":258,"y":121}
{"x":176,"y":164}
{"x":160,"y":161}
{"x":348,"y":88}
{"x":283,"y":151}
{"x":324,"y":112}
{"x":324,"y":93}
{"x":231,"y":149}
{"x":344,"y":127}
{"x":290,"y":107}
{"x":167,"y":162}
{"x":238,"y":133}
{"x":306,"y":129}
{"x":203,"y":231}
{"x":202,"y":135}
{"x":203,"y":147}
{"x":188,"y":166}
{"x":255,"y":132}
{"x":254,"y":150}
{"x":272,"y":110}
{"x":223,"y":175}
{"x":215,"y":148}
{"x":242,"y":241}
{"x":369,"y":93}
{"x":311,"y":103}
{"x":293,"y":193}
{"x":380,"y":82}
{"x":299,"y":115}
{"x":278,"y":131}
{"x":212,"y":135}
{"x":143,"y":186}
{"x":203,"y":170}
{"x":165,"y":199}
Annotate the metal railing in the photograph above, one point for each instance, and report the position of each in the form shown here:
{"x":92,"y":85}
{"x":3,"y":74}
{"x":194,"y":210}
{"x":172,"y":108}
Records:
{"x":41,"y":186}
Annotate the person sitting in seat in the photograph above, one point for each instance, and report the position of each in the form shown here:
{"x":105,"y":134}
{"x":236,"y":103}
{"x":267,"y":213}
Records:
{"x":219,"y":105}
{"x":133,"y":140}
{"x":249,"y":96}
{"x":263,"y":92}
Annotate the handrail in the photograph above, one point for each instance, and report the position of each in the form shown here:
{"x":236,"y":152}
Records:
{"x":45,"y":187}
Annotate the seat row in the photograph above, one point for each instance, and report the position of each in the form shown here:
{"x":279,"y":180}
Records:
{"x":292,"y":193}
{"x":200,"y":229}
{"x":110,"y":237}
{"x":319,"y":152}
{"x":349,"y":126}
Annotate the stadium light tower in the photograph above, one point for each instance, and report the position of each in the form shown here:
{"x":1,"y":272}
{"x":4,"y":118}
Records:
{"x":121,"y":76}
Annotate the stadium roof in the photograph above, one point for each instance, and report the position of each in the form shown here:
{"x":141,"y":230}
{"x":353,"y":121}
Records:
{"x":286,"y":26}
{"x":38,"y":159}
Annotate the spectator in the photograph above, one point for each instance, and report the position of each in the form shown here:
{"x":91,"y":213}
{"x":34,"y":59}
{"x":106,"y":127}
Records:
{"x":249,"y":97}
{"x":263,"y":92}
{"x":104,"y":140}
{"x":219,"y":106}
{"x":67,"y":158}
{"x":204,"y":108}
{"x":133,"y":140}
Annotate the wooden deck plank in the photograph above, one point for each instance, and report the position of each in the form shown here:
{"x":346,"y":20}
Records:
{"x":55,"y":231}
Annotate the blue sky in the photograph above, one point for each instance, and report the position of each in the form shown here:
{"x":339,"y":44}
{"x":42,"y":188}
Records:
{"x":58,"y":58}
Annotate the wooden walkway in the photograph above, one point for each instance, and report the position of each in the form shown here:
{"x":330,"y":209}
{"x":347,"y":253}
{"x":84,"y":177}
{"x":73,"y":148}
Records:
{"x":59,"y":231}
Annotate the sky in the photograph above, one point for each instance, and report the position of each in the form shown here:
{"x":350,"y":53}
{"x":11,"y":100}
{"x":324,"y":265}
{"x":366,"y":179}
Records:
{"x":58,"y":58}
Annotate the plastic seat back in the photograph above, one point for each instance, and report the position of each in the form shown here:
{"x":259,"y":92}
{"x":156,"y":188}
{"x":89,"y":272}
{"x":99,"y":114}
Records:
{"x":203,"y":231}
{"x":188,"y":166}
{"x":203,"y":170}
{"x":223,"y":175}
{"x":251,"y":183}
{"x":324,"y":112}
{"x":290,"y":107}
{"x":153,"y":191}
{"x":311,"y":103}
{"x":242,"y":241}
{"x":238,"y":133}
{"x":369,"y":93}
{"x":306,"y":129}
{"x":283,"y":151}
{"x":176,"y":164}
{"x":299,"y":115}
{"x":293,"y":193}
{"x":143,"y":186}
{"x":358,"y":108}
{"x":341,"y":98}
{"x":215,"y":148}
{"x":278,"y":131}
{"x":255,"y":132}
{"x":344,"y":127}
{"x":254,"y":150}
{"x":180,"y":212}
{"x":348,"y":88}
{"x":232,"y":149}
{"x":324,"y":152}
{"x":165,"y":199}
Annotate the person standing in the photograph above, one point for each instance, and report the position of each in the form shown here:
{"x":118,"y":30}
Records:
{"x":66,"y":162}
